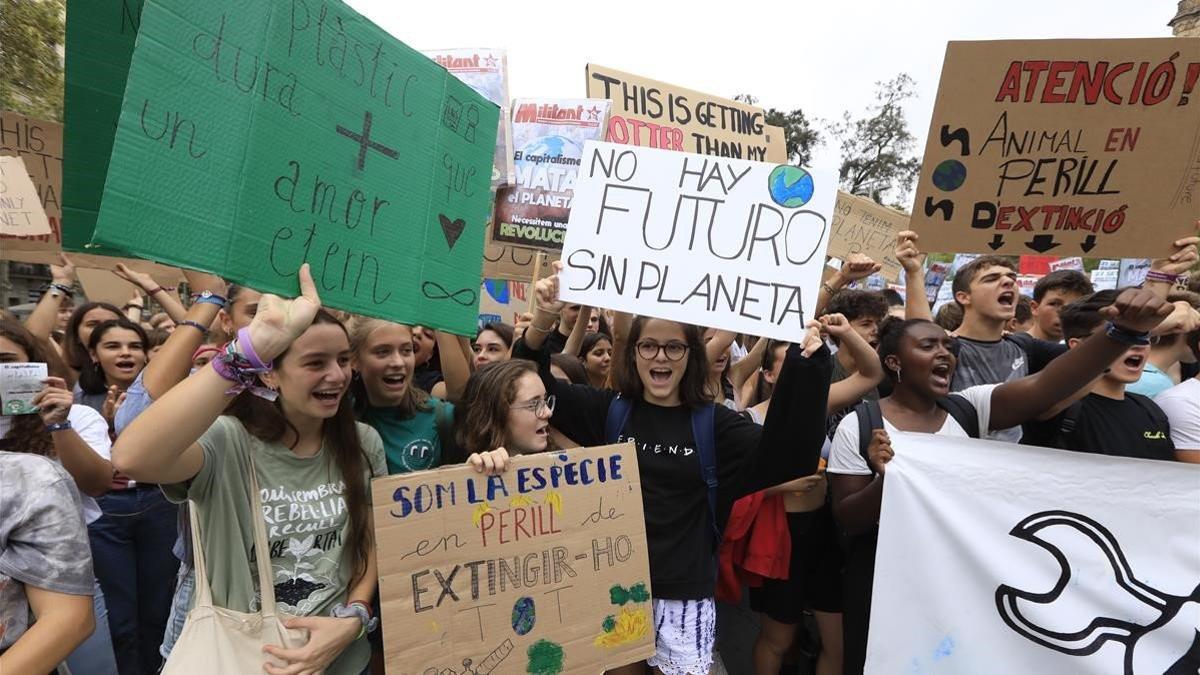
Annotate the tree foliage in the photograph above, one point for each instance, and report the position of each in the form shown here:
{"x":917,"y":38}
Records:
{"x":878,"y":159}
{"x":799,"y":135}
{"x":31,"y":66}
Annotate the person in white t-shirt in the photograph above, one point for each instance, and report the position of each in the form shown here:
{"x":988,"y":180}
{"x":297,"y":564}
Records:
{"x":920,"y":358}
{"x":1181,"y":403}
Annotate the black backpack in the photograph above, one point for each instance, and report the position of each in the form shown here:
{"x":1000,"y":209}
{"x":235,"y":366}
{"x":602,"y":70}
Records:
{"x":870,"y":418}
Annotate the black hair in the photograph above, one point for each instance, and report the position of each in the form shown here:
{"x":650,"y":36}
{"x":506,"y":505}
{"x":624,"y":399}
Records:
{"x":589,"y":343}
{"x":693,"y":389}
{"x":1024,"y":309}
{"x":1082,"y":317}
{"x":893,"y":297}
{"x":855,"y":304}
{"x":571,"y":366}
{"x":75,"y":352}
{"x":890,"y":335}
{"x":1072,"y":281}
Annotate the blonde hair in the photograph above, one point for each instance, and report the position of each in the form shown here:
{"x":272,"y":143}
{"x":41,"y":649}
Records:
{"x":415,"y":399}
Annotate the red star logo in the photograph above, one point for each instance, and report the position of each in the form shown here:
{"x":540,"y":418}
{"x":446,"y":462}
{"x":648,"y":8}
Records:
{"x":594,"y":113}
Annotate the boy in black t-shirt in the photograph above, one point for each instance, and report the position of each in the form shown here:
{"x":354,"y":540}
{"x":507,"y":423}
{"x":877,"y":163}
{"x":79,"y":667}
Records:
{"x":1107,"y":420}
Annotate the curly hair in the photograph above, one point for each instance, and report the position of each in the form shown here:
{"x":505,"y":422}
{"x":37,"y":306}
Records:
{"x":482,"y":423}
{"x":855,"y":304}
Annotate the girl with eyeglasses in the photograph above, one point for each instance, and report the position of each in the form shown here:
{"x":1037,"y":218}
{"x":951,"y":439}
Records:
{"x":507,"y":413}
{"x":663,"y":376}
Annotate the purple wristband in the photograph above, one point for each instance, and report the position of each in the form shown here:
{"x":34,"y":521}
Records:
{"x":1162,"y":277}
{"x":247,"y":349}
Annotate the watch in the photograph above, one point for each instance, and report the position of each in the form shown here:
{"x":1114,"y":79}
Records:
{"x":357,"y":610}
{"x":58,"y":426}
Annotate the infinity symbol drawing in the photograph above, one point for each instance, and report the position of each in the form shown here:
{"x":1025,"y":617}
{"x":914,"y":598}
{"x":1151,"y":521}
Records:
{"x":435,"y":291}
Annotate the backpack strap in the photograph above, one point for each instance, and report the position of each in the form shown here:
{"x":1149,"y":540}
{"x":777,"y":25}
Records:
{"x":870,"y":418}
{"x":706,"y":447}
{"x":618,"y":415}
{"x":963,"y":412}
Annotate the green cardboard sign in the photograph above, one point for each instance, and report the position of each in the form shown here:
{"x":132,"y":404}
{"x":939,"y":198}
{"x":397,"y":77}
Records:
{"x":258,"y":136}
{"x":100,"y":39}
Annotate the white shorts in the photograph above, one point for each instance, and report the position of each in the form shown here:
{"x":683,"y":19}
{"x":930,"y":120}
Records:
{"x":685,"y":632}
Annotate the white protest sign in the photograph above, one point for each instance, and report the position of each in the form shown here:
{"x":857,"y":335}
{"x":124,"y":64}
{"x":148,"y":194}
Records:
{"x":21,"y":212}
{"x":982,"y":570}
{"x":1105,"y":279}
{"x":1074,"y":263}
{"x":1133,"y":271}
{"x":723,"y":242}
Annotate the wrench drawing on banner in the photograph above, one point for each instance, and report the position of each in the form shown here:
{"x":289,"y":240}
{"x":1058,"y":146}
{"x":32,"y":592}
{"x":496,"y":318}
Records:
{"x":1148,"y":647}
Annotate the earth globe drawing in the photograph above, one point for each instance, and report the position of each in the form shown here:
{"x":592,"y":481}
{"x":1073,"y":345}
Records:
{"x":552,"y":146}
{"x":949,"y":175}
{"x":790,"y":186}
{"x":523,"y":616}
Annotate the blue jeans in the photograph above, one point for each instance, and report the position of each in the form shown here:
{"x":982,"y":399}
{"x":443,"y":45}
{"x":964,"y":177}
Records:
{"x":131,"y":549}
{"x":95,"y":655}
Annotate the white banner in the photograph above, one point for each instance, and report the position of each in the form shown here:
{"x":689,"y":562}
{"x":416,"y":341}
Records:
{"x":999,"y":558}
{"x":722,"y":242}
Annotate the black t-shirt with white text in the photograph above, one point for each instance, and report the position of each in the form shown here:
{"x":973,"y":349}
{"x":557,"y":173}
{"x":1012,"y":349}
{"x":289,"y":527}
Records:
{"x":674,"y":496}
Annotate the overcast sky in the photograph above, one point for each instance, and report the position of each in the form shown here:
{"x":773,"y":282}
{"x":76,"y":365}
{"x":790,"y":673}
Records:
{"x":823,"y":57}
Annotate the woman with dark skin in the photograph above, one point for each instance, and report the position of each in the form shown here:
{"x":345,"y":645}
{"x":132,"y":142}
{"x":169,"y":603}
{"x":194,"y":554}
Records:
{"x":919,"y":357}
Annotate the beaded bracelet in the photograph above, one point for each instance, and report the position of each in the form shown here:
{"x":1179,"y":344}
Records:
{"x":194,"y":324}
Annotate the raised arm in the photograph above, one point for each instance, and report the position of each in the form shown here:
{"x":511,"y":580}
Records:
{"x":916,"y":305}
{"x":856,"y":266}
{"x":1134,"y":314}
{"x":155,"y":291}
{"x":42,"y":319}
{"x":160,"y":445}
{"x":578,"y":331}
{"x":742,"y":370}
{"x":93,"y":473}
{"x":721,"y":340}
{"x":1164,"y":271}
{"x":456,"y":367}
{"x":849,"y":391}
{"x":173,"y":361}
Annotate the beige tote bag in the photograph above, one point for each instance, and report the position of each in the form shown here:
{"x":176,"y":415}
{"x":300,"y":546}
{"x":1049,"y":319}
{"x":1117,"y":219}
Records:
{"x":219,"y":640}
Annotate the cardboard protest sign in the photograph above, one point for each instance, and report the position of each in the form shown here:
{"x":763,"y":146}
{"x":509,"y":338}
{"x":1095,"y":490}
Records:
{"x":862,"y":226}
{"x":655,"y":114}
{"x":1081,"y":147}
{"x":503,"y":300}
{"x":104,"y":286}
{"x":39,"y":144}
{"x":100,"y":39}
{"x":548,"y":135}
{"x":21,"y":212}
{"x":542,"y":569}
{"x":254,"y":138}
{"x":681,"y":236}
{"x":504,"y":261}
{"x":485,"y":71}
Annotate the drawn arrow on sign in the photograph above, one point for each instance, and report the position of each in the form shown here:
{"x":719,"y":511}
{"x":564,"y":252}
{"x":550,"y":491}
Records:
{"x":1089,"y":243}
{"x":1042,"y":243}
{"x":996,"y":242}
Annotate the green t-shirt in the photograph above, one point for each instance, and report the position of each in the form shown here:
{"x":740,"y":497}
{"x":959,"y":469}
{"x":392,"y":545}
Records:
{"x":306,"y":517}
{"x":411,"y":443}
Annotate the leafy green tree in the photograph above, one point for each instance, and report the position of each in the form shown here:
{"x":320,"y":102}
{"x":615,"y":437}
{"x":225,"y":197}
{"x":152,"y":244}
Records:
{"x":31,"y":65}
{"x":878,"y":159}
{"x":799,"y":135}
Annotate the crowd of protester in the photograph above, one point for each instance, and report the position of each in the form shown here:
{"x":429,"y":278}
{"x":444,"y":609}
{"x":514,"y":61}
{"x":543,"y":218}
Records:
{"x":133,"y":495}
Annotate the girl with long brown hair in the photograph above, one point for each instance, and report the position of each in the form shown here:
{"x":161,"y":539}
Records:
{"x":305,"y":450}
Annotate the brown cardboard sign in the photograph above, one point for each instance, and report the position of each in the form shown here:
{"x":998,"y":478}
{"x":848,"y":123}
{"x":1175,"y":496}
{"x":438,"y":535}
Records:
{"x":655,"y":114}
{"x":505,"y":261}
{"x":862,"y":226}
{"x":39,"y":144}
{"x":1079,"y":147}
{"x":542,"y":569}
{"x":21,"y":212}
